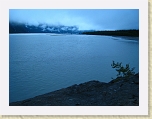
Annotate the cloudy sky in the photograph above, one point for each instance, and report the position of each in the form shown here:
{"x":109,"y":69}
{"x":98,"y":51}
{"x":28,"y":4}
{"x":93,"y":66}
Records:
{"x":84,"y":19}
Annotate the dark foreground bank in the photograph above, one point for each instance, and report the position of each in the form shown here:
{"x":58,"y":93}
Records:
{"x":118,"y":92}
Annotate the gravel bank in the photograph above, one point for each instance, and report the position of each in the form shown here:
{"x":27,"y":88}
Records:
{"x":118,"y":92}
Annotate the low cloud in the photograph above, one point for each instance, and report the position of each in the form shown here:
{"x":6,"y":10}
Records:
{"x":84,"y":19}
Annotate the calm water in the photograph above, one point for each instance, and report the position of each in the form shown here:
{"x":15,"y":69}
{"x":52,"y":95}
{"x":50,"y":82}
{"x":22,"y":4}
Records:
{"x":40,"y":63}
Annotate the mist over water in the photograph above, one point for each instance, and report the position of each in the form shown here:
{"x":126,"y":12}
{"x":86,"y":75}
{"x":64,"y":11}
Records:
{"x":41,"y":63}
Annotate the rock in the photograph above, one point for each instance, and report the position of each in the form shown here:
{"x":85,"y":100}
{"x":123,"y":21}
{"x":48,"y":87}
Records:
{"x":118,"y":92}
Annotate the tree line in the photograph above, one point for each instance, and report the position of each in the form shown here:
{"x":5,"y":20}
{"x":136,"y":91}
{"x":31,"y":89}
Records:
{"x":132,"y":33}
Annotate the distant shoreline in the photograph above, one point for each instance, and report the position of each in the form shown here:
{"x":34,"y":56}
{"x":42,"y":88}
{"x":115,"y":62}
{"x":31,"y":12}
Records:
{"x":127,"y":37}
{"x":58,"y":34}
{"x":130,"y":33}
{"x":118,"y":33}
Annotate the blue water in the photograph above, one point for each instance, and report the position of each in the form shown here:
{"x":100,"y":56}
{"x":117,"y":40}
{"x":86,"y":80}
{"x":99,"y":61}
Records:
{"x":40,"y":63}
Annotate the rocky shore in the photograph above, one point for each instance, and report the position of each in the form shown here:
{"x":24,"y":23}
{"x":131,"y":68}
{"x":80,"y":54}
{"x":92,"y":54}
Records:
{"x":118,"y":92}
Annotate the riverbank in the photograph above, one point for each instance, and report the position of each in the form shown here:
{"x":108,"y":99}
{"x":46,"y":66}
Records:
{"x":118,"y":92}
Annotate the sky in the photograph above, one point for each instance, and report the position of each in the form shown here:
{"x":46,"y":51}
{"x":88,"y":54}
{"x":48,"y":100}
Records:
{"x":84,"y":19}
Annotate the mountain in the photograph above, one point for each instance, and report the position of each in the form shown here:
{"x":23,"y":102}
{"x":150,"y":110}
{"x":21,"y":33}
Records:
{"x":15,"y":27}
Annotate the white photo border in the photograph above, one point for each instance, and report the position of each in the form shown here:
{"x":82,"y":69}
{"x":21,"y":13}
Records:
{"x":142,"y":109}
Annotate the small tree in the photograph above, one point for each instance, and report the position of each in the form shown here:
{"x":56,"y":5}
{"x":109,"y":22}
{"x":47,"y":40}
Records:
{"x":123,"y":71}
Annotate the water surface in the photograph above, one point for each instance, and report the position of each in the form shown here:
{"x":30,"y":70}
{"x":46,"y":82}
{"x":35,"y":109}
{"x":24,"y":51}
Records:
{"x":40,"y":63}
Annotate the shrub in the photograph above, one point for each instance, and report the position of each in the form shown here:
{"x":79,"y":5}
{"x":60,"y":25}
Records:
{"x":123,"y":71}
